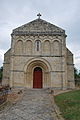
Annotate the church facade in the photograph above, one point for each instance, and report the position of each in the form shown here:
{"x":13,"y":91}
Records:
{"x":38,"y":57}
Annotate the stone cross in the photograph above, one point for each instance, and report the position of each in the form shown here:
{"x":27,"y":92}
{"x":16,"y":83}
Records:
{"x":39,"y":15}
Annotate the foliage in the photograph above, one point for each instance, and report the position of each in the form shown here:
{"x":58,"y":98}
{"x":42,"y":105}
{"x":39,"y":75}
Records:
{"x":76,"y":73}
{"x":69,"y":104}
{"x":1,"y":73}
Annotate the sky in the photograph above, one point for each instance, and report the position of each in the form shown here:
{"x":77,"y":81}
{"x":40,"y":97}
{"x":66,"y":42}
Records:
{"x":63,"y":13}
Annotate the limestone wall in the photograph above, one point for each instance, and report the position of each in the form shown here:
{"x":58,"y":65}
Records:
{"x":49,"y":54}
{"x":70,"y":69}
{"x":51,"y":51}
{"x":51,"y":78}
{"x":27,"y":45}
{"x":6,"y":68}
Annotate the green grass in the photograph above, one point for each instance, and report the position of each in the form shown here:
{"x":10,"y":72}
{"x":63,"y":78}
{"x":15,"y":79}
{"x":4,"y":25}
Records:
{"x":69,"y":104}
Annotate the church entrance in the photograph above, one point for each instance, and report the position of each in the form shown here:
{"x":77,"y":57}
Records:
{"x":37,"y":78}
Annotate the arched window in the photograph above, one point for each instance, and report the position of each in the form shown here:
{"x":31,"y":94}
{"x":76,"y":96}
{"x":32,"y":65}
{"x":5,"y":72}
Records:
{"x":19,"y":47}
{"x":56,"y":48}
{"x":46,"y":47}
{"x":28,"y":45}
{"x":38,"y":45}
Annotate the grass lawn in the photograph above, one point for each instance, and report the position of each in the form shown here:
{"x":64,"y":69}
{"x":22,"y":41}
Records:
{"x":69,"y":104}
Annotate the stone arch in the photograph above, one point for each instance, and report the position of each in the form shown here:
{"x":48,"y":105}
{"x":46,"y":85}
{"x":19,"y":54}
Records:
{"x":46,"y":47}
{"x":29,"y":68}
{"x":19,"y":47}
{"x":28,"y":47}
{"x":56,"y":48}
{"x":37,"y":59}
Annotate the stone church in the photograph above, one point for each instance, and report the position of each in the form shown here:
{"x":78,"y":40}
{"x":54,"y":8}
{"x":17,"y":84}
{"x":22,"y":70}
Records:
{"x":38,"y":57}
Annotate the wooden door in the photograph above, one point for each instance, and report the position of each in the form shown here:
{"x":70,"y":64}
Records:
{"x":37,"y":78}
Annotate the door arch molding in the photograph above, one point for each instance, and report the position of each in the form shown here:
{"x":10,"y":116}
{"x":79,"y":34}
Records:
{"x":29,"y":69}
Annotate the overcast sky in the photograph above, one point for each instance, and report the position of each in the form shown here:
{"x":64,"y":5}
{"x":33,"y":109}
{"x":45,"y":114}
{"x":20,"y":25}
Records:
{"x":63,"y":13}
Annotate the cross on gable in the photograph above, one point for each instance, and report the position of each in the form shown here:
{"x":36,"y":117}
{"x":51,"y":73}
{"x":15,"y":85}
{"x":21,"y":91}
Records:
{"x":39,"y":15}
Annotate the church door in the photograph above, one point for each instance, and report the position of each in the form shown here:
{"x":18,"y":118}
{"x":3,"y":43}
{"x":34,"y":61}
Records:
{"x":37,"y":78}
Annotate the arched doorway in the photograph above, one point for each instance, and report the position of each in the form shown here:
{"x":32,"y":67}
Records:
{"x":37,"y":77}
{"x":29,"y":69}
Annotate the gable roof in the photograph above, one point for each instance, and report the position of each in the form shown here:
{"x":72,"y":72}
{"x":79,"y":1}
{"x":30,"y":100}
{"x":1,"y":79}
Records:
{"x":38,"y":26}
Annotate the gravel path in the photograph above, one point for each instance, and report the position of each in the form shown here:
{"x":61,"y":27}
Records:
{"x":35,"y":105}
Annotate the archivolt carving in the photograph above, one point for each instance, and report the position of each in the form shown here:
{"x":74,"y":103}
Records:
{"x":38,"y":61}
{"x":29,"y":68}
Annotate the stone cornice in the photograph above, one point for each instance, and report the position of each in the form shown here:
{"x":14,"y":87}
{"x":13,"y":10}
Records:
{"x":57,"y":71}
{"x":23,"y":33}
{"x":6,"y":63}
{"x":70,"y":64}
{"x":37,"y":56}
{"x":16,"y":71}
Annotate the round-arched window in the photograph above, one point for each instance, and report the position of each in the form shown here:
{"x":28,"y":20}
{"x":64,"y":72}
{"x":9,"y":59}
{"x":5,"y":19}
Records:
{"x":38,"y":45}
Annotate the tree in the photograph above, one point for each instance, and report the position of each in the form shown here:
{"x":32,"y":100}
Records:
{"x":1,"y":74}
{"x":79,"y":74}
{"x":75,"y":73}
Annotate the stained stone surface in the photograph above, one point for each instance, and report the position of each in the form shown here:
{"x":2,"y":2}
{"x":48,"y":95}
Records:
{"x":35,"y":105}
{"x":38,"y":44}
{"x":38,"y":26}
